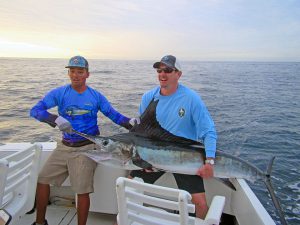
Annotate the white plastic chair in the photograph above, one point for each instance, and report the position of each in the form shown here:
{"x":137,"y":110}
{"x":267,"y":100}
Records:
{"x":148,"y":204}
{"x":18,"y":180}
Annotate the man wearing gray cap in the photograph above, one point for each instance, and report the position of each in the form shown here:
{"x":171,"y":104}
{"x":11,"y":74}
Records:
{"x":181,"y":111}
{"x":78,"y":105}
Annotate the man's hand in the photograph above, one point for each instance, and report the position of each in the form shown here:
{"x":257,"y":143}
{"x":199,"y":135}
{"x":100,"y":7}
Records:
{"x":63,"y":124}
{"x":134,"y":121}
{"x":206,"y":171}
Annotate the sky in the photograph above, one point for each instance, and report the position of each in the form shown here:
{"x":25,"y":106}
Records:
{"x":209,"y":30}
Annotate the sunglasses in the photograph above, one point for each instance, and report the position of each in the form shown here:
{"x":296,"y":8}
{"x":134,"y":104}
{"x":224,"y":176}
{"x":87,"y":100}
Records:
{"x":165,"y":70}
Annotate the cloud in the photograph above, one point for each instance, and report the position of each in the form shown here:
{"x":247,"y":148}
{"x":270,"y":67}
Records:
{"x":145,"y":29}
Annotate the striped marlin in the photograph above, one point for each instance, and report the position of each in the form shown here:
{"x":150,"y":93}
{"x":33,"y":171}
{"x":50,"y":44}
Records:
{"x":149,"y":146}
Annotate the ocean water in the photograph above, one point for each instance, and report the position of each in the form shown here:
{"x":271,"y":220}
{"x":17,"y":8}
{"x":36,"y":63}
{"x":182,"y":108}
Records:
{"x":255,"y":106}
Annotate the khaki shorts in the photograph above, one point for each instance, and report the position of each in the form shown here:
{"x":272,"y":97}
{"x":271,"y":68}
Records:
{"x":69,"y":161}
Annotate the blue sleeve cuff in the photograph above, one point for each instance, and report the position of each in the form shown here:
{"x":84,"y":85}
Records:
{"x":125,"y":123}
{"x":210,"y":147}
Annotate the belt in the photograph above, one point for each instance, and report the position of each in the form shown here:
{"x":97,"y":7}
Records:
{"x":77,"y":144}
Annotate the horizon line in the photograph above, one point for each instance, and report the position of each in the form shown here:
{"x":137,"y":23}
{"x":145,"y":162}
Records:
{"x":181,"y":60}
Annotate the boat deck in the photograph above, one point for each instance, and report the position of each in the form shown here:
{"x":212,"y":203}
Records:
{"x":61,"y":215}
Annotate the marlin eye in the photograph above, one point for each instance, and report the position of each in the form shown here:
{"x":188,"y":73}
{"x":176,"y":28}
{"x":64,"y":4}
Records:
{"x":105,"y":142}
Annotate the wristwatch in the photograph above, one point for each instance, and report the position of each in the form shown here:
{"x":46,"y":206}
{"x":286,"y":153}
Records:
{"x":210,"y":161}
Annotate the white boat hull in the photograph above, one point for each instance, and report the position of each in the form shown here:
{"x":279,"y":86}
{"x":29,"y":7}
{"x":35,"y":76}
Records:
{"x":242,"y":203}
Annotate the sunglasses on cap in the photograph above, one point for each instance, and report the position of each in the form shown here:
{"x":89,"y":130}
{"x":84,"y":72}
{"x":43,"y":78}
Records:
{"x":166,"y":70}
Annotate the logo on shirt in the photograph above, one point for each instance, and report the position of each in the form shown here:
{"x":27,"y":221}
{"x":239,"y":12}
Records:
{"x":181,"y":112}
{"x":74,"y":111}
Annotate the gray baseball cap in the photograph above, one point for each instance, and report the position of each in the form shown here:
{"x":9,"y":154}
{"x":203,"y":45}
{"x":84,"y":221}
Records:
{"x":170,"y":61}
{"x":78,"y":61}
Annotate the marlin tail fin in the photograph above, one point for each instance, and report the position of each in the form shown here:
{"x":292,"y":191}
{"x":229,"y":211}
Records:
{"x":270,"y":188}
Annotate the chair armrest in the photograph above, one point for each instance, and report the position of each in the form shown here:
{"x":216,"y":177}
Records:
{"x":214,"y":213}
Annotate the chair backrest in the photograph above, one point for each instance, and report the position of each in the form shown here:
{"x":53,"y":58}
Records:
{"x":151,"y":204}
{"x":18,"y":180}
{"x":148,"y":204}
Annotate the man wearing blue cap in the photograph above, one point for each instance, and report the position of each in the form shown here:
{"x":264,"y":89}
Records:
{"x":181,"y":111}
{"x":78,"y":105}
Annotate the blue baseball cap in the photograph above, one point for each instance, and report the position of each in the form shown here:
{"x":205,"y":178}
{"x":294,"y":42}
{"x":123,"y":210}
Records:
{"x":170,"y":61}
{"x":78,"y":61}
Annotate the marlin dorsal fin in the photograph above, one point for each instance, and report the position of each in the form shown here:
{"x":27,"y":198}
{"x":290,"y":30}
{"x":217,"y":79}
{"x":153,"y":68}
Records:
{"x":150,"y":127}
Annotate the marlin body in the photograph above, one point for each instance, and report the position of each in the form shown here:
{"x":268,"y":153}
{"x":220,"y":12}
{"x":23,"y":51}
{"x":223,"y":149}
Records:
{"x":131,"y":151}
{"x":149,"y":146}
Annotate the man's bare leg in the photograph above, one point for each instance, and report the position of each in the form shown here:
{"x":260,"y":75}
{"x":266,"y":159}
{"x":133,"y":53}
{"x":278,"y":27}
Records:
{"x":42,"y":198}
{"x":200,"y":204}
{"x":83,"y":206}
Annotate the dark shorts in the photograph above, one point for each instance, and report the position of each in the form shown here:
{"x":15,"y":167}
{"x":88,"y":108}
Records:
{"x":190,"y":183}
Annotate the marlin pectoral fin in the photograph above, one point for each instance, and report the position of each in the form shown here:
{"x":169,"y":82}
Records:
{"x":141,"y":163}
{"x":226,"y":182}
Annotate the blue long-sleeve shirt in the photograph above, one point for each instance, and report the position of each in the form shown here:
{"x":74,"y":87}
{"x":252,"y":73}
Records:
{"x":184,"y":114}
{"x":80,"y":109}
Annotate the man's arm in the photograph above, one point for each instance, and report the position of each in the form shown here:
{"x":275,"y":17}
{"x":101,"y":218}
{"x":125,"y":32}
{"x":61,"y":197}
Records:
{"x":39,"y":112}
{"x":118,"y":118}
{"x":207,"y":133}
